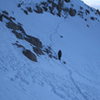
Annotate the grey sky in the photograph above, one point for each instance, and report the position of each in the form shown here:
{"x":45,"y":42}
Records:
{"x":93,"y":3}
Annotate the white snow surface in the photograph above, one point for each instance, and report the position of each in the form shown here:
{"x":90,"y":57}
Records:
{"x":50,"y":79}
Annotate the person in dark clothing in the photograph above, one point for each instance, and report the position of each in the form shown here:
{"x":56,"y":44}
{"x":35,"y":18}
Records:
{"x":1,"y":17}
{"x":59,"y":54}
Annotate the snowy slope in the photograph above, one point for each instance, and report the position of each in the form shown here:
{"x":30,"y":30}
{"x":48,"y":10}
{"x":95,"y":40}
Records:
{"x":75,"y":77}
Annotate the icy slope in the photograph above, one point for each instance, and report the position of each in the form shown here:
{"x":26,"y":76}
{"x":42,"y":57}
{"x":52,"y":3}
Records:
{"x":75,"y":77}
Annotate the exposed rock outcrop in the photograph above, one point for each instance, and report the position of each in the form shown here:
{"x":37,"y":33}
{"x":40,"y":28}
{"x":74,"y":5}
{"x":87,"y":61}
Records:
{"x":18,"y":30}
{"x":72,"y":12}
{"x":30,"y":55}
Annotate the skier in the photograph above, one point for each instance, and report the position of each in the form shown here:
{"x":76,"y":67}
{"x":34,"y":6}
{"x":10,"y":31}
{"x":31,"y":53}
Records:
{"x":59,"y":54}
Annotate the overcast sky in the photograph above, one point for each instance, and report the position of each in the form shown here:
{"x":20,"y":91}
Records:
{"x":94,"y":3}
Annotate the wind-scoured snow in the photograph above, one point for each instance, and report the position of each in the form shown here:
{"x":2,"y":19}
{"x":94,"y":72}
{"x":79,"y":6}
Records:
{"x":50,"y":79}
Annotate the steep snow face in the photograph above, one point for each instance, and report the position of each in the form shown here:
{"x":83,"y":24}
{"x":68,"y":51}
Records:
{"x":75,"y":77}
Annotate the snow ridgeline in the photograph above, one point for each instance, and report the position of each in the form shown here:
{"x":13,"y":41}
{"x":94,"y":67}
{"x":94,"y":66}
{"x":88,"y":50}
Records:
{"x":61,"y":8}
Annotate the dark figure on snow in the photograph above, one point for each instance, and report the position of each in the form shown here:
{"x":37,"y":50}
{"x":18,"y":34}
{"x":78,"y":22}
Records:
{"x":59,"y":54}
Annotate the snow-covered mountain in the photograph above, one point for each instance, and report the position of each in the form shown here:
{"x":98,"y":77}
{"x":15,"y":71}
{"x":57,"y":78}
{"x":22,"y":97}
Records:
{"x":31,"y":34}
